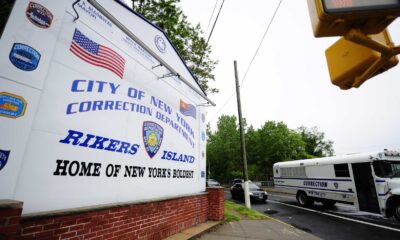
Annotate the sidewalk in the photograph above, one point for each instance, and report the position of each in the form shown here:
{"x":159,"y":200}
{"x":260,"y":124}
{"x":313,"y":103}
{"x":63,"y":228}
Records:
{"x":267,"y":229}
{"x":257,"y":229}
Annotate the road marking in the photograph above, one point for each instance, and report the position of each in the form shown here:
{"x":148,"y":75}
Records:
{"x":293,"y":197}
{"x":336,"y":216}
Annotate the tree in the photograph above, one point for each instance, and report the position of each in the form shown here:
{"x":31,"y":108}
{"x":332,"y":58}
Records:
{"x":186,"y":38}
{"x":223,"y":150}
{"x":315,"y":143}
{"x":275,"y":143}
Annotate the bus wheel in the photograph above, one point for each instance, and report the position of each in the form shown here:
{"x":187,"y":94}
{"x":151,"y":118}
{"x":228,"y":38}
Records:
{"x":303,"y":200}
{"x":397,"y":211}
{"x":328,"y":203}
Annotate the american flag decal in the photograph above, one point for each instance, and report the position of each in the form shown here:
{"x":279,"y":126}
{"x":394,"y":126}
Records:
{"x":97,"y":54}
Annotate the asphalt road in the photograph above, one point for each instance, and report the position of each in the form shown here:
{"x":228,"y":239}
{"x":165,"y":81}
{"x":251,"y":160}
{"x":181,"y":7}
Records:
{"x":341,"y":222}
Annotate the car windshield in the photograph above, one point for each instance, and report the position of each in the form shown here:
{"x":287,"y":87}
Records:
{"x":212,"y":183}
{"x":253,"y":187}
{"x":387,"y":169}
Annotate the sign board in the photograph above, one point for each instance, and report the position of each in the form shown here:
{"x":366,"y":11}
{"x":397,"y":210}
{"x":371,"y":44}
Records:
{"x":95,"y":120}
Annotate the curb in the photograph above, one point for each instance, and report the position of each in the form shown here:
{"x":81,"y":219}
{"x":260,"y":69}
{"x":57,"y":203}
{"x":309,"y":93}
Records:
{"x":195,"y":231}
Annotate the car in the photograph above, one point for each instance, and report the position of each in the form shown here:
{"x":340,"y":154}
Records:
{"x":256,"y":193}
{"x":237,"y":180}
{"x":212,"y":183}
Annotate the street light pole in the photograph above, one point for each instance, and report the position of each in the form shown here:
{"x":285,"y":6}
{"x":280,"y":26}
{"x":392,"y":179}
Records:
{"x":243,"y":145}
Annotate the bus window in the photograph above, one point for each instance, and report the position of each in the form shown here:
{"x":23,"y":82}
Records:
{"x":386,"y":169}
{"x":5,"y":10}
{"x":342,"y":170}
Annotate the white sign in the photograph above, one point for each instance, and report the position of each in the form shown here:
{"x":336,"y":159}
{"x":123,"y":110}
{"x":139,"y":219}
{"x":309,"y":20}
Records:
{"x":103,"y":127}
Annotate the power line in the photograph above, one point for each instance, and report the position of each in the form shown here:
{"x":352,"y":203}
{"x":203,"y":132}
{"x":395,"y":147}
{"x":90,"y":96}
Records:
{"x":262,"y":40}
{"x":222,"y":107}
{"x":251,"y":62}
{"x":212,"y":14}
{"x":215,"y":22}
{"x":212,"y":30}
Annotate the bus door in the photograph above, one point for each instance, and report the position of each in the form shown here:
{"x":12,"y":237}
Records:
{"x":365,"y":186}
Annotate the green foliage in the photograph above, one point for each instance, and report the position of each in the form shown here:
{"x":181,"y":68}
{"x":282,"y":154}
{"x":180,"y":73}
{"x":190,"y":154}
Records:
{"x":316,"y":145}
{"x":230,"y":217}
{"x":223,"y":150}
{"x":186,"y":38}
{"x":231,"y":208}
{"x":273,"y":142}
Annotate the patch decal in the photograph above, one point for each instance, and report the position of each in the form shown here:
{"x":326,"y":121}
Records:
{"x":152,"y":137}
{"x":11,"y":105}
{"x":39,"y":15}
{"x":3,"y":158}
{"x":24,"y":57}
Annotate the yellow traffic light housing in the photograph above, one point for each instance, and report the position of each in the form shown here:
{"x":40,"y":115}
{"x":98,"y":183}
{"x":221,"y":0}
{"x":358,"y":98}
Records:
{"x":337,"y":17}
{"x":351,"y":64}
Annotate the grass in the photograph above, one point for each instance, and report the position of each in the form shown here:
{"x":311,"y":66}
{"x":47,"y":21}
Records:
{"x":235,"y":212}
{"x":230,"y":217}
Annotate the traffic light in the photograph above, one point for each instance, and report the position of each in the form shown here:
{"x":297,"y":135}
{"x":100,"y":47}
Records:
{"x":351,"y":64}
{"x":337,"y":17}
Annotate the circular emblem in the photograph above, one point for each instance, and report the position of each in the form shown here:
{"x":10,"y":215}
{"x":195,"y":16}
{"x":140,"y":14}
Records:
{"x":39,"y":15}
{"x":24,"y":57}
{"x":160,"y":43}
{"x":203,"y":136}
{"x":336,"y":185}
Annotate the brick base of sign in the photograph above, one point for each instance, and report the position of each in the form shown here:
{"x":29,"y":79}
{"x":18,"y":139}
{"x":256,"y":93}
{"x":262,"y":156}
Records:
{"x":10,"y":215}
{"x":149,"y":220}
{"x":215,"y":203}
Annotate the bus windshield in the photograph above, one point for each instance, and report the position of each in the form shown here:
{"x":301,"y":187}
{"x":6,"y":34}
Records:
{"x":387,"y":169}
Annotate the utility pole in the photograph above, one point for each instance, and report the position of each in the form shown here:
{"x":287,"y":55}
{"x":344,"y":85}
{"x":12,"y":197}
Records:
{"x":242,"y":142}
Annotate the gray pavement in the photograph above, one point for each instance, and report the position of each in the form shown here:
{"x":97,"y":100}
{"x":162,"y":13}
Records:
{"x":256,"y":229}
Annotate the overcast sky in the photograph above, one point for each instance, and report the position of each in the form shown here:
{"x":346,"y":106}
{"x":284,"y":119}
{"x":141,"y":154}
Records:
{"x":289,"y":80}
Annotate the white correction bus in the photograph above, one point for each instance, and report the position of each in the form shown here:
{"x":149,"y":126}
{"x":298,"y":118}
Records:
{"x":369,"y":181}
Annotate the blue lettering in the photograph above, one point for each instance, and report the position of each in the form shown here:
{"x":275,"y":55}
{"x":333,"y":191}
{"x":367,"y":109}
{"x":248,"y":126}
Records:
{"x":161,"y":105}
{"x":135,"y":93}
{"x":125,"y":107}
{"x":88,"y":106}
{"x":114,"y":88}
{"x":92,"y":86}
{"x":113,"y":145}
{"x":80,"y":139}
{"x":73,"y":136}
{"x":69,"y":108}
{"x":134,"y":149}
{"x":85,"y":106}
{"x":124,"y":147}
{"x":118,"y":105}
{"x":97,"y":105}
{"x":74,"y":87}
{"x":173,"y":156}
{"x":101,"y":84}
{"x":88,"y":138}
{"x":98,"y":144}
{"x":109,"y":105}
